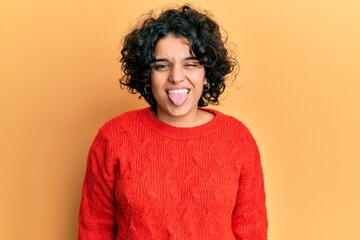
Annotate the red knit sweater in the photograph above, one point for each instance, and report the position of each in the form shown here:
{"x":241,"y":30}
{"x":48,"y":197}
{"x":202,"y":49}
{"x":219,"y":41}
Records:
{"x":146,"y":179}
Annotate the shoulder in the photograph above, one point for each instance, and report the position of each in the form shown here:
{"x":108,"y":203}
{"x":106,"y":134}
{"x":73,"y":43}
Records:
{"x":228,"y":121}
{"x":123,"y":122}
{"x":120,"y":126}
{"x":233,"y":128}
{"x":117,"y":132}
{"x":244,"y":141}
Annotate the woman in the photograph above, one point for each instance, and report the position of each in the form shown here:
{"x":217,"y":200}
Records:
{"x":174,"y":170}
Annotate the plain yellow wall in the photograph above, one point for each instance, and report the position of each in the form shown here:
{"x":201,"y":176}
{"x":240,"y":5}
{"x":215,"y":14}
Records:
{"x":298,"y":92}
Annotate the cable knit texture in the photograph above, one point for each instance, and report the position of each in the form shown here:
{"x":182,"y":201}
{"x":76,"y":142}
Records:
{"x":146,"y":179}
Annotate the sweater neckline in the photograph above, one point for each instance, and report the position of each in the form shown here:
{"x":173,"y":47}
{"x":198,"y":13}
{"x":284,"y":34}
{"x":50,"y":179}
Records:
{"x":184,"y":133}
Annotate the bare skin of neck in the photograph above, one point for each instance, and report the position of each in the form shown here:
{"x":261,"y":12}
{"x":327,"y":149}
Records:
{"x":199,"y":117}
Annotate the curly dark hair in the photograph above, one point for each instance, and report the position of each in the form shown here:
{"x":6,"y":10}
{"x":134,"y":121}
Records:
{"x":206,"y":45}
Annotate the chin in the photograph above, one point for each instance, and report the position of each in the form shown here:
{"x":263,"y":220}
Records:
{"x":184,"y":110}
{"x":178,"y":112}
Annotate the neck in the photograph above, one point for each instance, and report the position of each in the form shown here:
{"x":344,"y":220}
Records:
{"x":191,"y":119}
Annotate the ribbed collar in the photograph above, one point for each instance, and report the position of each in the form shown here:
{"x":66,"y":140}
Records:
{"x":183,"y":133}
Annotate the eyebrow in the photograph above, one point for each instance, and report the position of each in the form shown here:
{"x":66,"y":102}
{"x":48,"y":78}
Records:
{"x":166,"y":60}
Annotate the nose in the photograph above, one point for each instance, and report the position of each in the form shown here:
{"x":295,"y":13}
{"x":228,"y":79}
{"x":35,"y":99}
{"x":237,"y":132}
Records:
{"x":176,"y":74}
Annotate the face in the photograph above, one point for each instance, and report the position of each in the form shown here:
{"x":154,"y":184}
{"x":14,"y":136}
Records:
{"x":177,"y":80}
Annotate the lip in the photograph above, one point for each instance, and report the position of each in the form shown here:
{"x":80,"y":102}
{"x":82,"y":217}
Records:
{"x":177,"y":88}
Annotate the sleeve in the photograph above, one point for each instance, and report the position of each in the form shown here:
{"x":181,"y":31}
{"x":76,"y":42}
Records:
{"x":97,"y":214}
{"x":249,"y":220}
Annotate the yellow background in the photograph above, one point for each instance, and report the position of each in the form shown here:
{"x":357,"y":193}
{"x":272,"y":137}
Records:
{"x":298,"y":92}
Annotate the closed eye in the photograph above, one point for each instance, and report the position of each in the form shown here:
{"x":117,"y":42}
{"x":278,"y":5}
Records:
{"x":192,"y":65}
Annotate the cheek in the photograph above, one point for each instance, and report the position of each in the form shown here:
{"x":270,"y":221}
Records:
{"x":154,"y":84}
{"x":198,"y":79}
{"x":157,"y":89}
{"x":157,"y":80}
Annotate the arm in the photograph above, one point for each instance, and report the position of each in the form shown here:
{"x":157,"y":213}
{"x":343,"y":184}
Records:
{"x":249,"y":220}
{"x":98,"y":206}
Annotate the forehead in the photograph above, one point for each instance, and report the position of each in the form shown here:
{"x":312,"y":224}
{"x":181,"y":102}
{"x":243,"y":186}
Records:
{"x":172,"y":46}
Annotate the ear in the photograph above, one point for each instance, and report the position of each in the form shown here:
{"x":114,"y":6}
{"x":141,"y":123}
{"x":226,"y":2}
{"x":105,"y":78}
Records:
{"x":206,"y":86}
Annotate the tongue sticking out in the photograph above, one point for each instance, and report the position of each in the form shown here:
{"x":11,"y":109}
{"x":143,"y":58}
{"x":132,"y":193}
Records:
{"x":178,"y":97}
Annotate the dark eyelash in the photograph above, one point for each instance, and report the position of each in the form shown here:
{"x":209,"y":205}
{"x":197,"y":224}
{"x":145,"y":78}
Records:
{"x":192,"y":65}
{"x":160,"y":66}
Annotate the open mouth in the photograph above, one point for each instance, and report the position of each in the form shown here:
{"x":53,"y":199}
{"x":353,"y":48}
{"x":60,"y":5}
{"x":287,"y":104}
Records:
{"x":178,"y":96}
